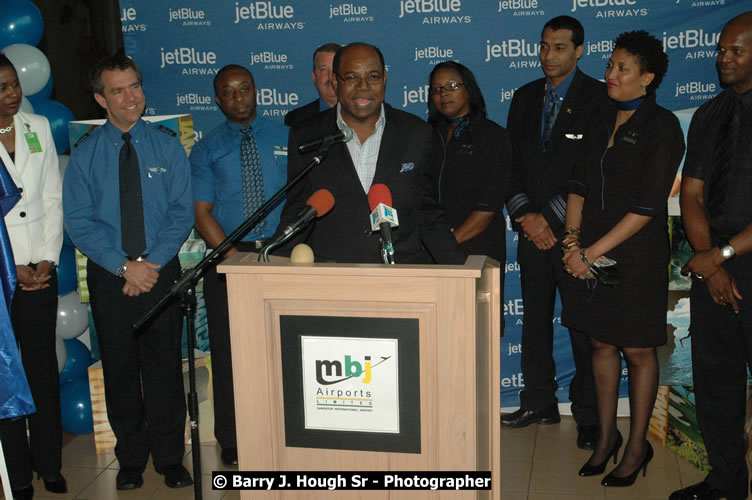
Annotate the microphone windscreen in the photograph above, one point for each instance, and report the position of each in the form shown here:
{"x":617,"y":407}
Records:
{"x":322,"y":201}
{"x":301,"y":254}
{"x":379,"y":193}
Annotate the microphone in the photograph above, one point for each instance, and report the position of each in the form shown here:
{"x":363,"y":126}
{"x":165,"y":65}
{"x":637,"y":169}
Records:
{"x":318,"y":204}
{"x":342,"y":135}
{"x":383,"y":219}
{"x":301,"y":254}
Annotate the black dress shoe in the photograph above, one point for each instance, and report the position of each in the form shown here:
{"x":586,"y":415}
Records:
{"x":230,"y":457}
{"x":611,"y":480}
{"x":26,"y":493}
{"x":587,"y":436}
{"x":523,"y":418}
{"x":596,"y":470}
{"x":700,"y":491}
{"x":175,"y":476}
{"x":128,"y":479}
{"x":55,"y":483}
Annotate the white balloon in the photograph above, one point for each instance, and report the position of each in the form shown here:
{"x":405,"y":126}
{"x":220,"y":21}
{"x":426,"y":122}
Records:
{"x":62,"y":354}
{"x":31,"y":64}
{"x":26,"y":105}
{"x":72,"y":316}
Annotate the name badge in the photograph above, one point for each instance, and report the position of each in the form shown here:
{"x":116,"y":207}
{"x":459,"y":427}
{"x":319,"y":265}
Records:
{"x":32,"y":141}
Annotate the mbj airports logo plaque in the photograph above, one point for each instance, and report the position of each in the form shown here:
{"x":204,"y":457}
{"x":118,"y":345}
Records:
{"x":350,"y":383}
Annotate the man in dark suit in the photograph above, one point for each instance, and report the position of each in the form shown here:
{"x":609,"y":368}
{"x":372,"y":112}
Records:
{"x":322,"y":79}
{"x":388,"y":147}
{"x":546,"y":122}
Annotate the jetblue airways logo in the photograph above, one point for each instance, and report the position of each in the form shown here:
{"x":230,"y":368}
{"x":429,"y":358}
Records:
{"x":188,"y":16}
{"x":272,"y":16}
{"x":521,"y":7}
{"x":435,"y":11}
{"x":350,"y":13}
{"x":128,"y":20}
{"x":611,"y":8}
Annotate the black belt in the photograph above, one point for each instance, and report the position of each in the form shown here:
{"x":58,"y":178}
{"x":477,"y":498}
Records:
{"x":251,"y":246}
{"x":142,"y":257}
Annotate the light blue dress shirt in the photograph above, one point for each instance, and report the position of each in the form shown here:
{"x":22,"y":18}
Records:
{"x":216,"y":173}
{"x":91,"y":194}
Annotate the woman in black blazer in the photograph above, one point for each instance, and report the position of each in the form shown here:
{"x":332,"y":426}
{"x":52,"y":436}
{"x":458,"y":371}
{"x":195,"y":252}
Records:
{"x":472,"y":161}
{"x":617,"y":212}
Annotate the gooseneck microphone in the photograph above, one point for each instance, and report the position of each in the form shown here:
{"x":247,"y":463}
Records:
{"x":342,"y":135}
{"x":318,"y":204}
{"x":383,"y":218}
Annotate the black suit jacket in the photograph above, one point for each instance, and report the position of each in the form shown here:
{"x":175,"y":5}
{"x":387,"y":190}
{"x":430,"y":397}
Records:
{"x":539,"y":179}
{"x":344,"y":234}
{"x":297,"y":115}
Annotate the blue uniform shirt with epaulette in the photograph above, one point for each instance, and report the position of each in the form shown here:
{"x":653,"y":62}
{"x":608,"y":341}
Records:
{"x":216,"y":172}
{"x":91,"y":193}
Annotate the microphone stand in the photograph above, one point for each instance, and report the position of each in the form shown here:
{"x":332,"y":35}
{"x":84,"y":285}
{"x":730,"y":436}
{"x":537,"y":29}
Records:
{"x":186,"y":288}
{"x":387,"y":252}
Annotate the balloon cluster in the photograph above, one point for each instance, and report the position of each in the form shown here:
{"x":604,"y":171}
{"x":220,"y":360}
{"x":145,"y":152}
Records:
{"x":73,"y":357}
{"x":21,"y":28}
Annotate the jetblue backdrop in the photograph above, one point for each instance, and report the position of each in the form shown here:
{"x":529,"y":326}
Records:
{"x":180,"y":46}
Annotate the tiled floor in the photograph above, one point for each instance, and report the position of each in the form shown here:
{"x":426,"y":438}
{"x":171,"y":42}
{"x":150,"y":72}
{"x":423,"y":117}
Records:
{"x":538,"y":463}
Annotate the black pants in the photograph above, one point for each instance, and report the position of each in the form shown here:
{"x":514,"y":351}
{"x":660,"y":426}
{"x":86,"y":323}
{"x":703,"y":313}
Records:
{"x":218,"y":319}
{"x":152,"y":419}
{"x":542,"y":273}
{"x":721,"y":353}
{"x":34,"y":315}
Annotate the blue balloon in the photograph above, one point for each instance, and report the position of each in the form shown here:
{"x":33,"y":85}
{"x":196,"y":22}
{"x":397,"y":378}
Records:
{"x":75,"y":406}
{"x":67,"y":272}
{"x":45,"y":93}
{"x":77,"y":365}
{"x":20,"y":22}
{"x":59,"y":117}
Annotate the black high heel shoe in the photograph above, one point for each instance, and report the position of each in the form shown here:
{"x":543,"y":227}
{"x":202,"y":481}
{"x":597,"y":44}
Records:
{"x":611,"y":480}
{"x":594,"y":470}
{"x":54,"y":483}
{"x":26,"y":493}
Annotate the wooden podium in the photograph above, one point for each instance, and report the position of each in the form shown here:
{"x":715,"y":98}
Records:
{"x":456,"y":313}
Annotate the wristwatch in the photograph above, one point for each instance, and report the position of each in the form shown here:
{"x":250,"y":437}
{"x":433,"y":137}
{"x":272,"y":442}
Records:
{"x":727,"y":252}
{"x":121,"y":270}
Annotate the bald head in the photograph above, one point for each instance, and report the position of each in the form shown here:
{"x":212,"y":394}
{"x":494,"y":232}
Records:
{"x":744,"y":19}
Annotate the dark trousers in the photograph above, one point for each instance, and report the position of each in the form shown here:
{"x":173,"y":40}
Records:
{"x":34,"y":316}
{"x":218,"y":319}
{"x":721,"y":353}
{"x":542,"y":273}
{"x":217,"y":316}
{"x":143,"y":378}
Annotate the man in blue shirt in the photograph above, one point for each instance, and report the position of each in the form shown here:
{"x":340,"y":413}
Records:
{"x":222,"y":203}
{"x":142,"y":370}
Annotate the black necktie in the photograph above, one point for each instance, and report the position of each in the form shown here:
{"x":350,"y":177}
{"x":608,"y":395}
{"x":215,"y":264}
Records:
{"x":549,"y":116}
{"x":724,"y":157}
{"x":252,"y":178}
{"x":131,"y":204}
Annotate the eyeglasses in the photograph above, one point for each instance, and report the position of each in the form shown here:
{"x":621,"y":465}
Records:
{"x":372,"y":79}
{"x":449,"y":87}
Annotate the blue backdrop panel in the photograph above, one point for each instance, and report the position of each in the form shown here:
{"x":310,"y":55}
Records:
{"x":181,"y":45}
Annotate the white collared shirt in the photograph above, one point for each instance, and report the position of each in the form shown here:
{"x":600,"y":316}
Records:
{"x":364,"y":156}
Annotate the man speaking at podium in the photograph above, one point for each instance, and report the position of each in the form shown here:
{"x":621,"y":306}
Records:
{"x":388,"y":147}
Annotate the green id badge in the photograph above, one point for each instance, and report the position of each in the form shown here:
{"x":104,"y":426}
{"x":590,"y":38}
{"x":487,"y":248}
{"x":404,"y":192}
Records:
{"x":33,"y":142}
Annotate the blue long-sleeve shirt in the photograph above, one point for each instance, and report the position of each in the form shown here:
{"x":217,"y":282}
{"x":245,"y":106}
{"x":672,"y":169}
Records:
{"x":216,"y":173}
{"x":91,"y":194}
